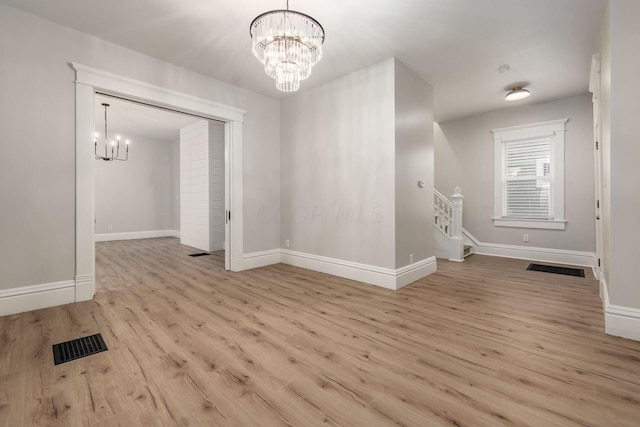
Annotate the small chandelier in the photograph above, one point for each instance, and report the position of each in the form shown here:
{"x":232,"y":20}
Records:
{"x":289,"y":44}
{"x":115,"y":145}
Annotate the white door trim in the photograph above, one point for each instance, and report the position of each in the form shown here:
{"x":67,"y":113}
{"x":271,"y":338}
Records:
{"x":594,"y":88}
{"x":88,"y":81}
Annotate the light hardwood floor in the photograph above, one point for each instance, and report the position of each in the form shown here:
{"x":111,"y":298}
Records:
{"x":479,"y":343}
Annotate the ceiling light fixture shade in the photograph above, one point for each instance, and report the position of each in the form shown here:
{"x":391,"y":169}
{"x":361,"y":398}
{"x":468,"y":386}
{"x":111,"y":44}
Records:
{"x":289,"y":44}
{"x":516,"y":94}
{"x":115,"y":145}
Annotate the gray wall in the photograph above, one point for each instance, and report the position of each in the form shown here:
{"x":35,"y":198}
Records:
{"x":464,"y":157}
{"x":353,"y":151}
{"x":338,"y":172}
{"x":136,"y":195}
{"x":623,"y":102}
{"x":413,"y":162}
{"x":37,"y":181}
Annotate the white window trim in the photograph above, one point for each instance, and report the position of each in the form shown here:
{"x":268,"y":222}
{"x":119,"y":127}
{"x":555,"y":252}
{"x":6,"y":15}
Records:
{"x":555,"y":129}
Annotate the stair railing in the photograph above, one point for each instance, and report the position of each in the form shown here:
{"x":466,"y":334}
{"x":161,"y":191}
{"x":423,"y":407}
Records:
{"x":448,"y":219}
{"x":443,"y":212}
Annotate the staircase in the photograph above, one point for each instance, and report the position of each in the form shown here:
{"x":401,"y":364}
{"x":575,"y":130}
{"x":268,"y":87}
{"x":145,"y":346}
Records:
{"x":449,"y":237}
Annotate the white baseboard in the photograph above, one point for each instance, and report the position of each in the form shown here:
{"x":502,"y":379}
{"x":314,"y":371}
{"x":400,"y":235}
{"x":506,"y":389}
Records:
{"x":108,"y":237}
{"x":379,"y":276}
{"x":85,"y":287}
{"x":416,"y":271}
{"x":558,"y":256}
{"x":27,"y":298}
{"x":261,"y":259}
{"x":622,"y":322}
{"x":619,"y":321}
{"x":470,"y":237}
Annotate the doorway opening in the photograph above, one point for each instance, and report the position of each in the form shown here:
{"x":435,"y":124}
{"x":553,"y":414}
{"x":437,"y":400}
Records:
{"x":173,"y":182}
{"x":90,"y":81}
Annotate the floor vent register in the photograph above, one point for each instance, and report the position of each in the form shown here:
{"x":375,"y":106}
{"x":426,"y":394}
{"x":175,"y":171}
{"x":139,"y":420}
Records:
{"x":577,"y":272}
{"x":78,"y":348}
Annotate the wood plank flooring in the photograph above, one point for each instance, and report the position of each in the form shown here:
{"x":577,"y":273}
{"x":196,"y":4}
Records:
{"x":479,"y":343}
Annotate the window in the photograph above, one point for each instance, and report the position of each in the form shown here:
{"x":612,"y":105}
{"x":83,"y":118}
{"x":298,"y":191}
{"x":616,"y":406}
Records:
{"x":529,"y":175}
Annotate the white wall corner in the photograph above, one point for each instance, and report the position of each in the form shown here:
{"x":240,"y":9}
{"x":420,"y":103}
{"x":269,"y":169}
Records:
{"x":622,"y":322}
{"x":416,"y":271}
{"x":619,"y":321}
{"x":27,"y":298}
{"x":237,"y":262}
{"x":604,"y":294}
{"x":85,"y":287}
{"x":596,"y":268}
{"x":261,"y":259}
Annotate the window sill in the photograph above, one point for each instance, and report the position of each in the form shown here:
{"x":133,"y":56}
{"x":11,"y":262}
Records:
{"x":552,"y":224}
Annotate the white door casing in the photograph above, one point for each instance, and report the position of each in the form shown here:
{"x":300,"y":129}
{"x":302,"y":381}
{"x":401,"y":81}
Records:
{"x":91,"y":80}
{"x":594,"y":88}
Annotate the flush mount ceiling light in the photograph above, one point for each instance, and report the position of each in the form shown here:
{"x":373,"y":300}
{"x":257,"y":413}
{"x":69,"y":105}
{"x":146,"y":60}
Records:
{"x":516,"y":94}
{"x":115,"y":145}
{"x":289,"y":44}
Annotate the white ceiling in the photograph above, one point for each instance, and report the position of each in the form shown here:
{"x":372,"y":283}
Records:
{"x":134,"y":121}
{"x":455,"y":45}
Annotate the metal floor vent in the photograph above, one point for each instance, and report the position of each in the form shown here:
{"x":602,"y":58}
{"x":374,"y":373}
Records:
{"x":78,"y":348}
{"x":578,"y":272}
{"x":200,"y":254}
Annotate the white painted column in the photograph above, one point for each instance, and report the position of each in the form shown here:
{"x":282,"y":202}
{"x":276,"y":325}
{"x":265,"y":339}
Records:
{"x":85,"y":201}
{"x":194,"y":186}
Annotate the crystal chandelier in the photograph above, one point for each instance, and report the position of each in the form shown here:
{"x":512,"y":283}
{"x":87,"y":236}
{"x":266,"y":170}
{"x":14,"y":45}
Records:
{"x":115,"y":145}
{"x":289,"y":44}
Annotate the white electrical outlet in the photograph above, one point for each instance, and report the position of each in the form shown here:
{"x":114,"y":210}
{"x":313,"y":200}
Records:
{"x":286,"y":243}
{"x":525,"y":237}
{"x":411,"y":259}
{"x":109,"y":227}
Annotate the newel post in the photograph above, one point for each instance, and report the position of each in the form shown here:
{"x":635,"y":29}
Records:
{"x":457,"y":241}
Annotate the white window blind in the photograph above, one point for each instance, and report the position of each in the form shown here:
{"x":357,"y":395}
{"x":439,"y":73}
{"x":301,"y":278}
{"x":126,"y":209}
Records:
{"x":527,"y":189}
{"x":529,"y":175}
